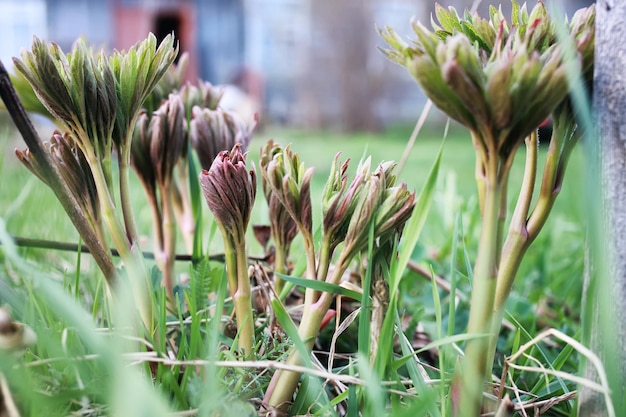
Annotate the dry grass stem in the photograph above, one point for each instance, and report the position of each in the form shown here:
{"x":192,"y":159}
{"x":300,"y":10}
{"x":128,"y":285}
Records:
{"x":602,"y":387}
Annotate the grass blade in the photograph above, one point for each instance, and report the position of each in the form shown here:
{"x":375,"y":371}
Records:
{"x":415,"y":224}
{"x":321,"y":286}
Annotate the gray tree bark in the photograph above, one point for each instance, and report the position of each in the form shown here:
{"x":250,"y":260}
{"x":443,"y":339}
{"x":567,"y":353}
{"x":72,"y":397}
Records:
{"x":604,"y":318}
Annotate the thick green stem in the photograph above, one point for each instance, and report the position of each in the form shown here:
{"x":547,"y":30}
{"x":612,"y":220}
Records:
{"x":310,"y":295}
{"x":316,"y":305}
{"x":524,"y":227}
{"x":239,"y":286}
{"x":515,"y":246}
{"x":183,"y":210}
{"x":169,"y":240}
{"x":479,"y":169}
{"x":107,"y":206}
{"x":512,"y":255}
{"x":243,"y":304}
{"x":127,"y":212}
{"x":522,"y":208}
{"x":503,"y":178}
{"x":483,"y":290}
{"x":280,"y":266}
{"x":501,"y":217}
{"x":323,"y":264}
{"x":284,"y":383}
{"x":157,"y":226}
{"x":480,"y":185}
{"x":131,"y":254}
{"x":230,"y":259}
{"x":551,"y":182}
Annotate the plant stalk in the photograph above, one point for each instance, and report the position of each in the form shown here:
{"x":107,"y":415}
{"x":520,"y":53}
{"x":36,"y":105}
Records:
{"x":169,"y":240}
{"x":484,"y":286}
{"x":243,"y":304}
{"x":157,"y":226}
{"x":287,"y":381}
{"x":182,"y":205}
{"x":124,"y":167}
{"x":239,"y":285}
{"x":515,"y":246}
{"x":310,"y":295}
{"x":130,"y":253}
{"x":280,"y":266}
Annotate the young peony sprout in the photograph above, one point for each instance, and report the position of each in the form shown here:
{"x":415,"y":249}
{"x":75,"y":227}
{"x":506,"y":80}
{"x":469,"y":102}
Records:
{"x":97,"y":99}
{"x":213,"y":131}
{"x":158,"y":146}
{"x":349,"y":214}
{"x":500,"y":78}
{"x":171,"y":82}
{"x":282,"y":226}
{"x":186,"y":209}
{"x":202,"y":94}
{"x":229,"y":188}
{"x":289,"y":182}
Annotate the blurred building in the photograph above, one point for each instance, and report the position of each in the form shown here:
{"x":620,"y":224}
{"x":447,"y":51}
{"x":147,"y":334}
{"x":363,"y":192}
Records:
{"x":311,"y":63}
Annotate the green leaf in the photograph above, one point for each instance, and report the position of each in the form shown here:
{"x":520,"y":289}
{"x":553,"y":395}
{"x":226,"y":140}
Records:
{"x":449,"y":19}
{"x":311,"y":398}
{"x":414,"y":226}
{"x":472,"y":34}
{"x":353,"y":409}
{"x":453,"y":270}
{"x":448,"y":340}
{"x":515,"y":14}
{"x":410,"y":237}
{"x":366,"y":311}
{"x":415,"y":372}
{"x":373,"y":396}
{"x":137,"y":72}
{"x":290,"y":329}
{"x":424,"y":405}
{"x":321,"y":286}
{"x":516,"y":344}
{"x":202,"y":278}
{"x":196,"y":202}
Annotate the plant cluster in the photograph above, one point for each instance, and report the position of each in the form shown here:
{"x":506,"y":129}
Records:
{"x":498,"y":77}
{"x":136,"y":109}
{"x":371,"y":208}
{"x":501,"y":79}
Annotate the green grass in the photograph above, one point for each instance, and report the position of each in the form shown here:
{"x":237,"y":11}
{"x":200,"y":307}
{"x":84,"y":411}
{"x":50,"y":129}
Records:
{"x":547,"y":291}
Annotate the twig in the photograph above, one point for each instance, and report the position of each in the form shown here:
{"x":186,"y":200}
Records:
{"x":543,"y":405}
{"x":72,"y":247}
{"x":139,"y":357}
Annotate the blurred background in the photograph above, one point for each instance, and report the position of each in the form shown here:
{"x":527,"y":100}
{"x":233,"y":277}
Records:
{"x":298,"y":63}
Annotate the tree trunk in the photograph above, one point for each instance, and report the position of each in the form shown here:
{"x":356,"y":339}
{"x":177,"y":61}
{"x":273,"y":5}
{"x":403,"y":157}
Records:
{"x":604,"y":318}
